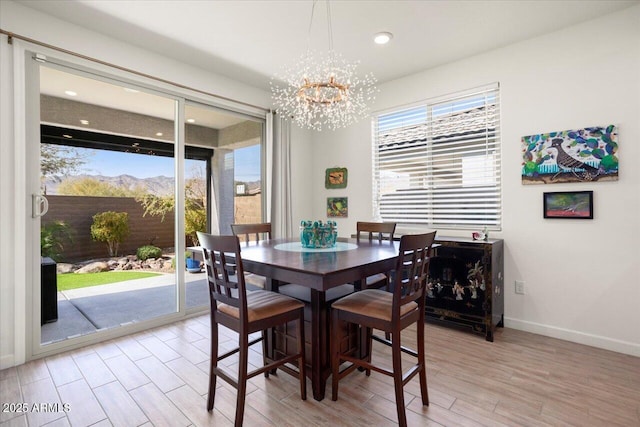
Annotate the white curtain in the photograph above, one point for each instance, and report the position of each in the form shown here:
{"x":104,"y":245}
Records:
{"x":214,"y":202}
{"x":280,"y":171}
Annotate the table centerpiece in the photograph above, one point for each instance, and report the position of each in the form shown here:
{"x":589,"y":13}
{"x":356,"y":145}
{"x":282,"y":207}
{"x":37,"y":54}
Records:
{"x":318,"y":235}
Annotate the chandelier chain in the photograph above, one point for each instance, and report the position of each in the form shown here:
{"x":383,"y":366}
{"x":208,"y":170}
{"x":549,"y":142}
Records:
{"x":313,"y":9}
{"x":329,"y":26}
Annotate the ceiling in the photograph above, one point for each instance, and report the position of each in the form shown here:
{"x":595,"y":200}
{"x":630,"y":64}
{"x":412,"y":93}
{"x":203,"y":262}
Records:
{"x":57,"y":83}
{"x":251,"y":40}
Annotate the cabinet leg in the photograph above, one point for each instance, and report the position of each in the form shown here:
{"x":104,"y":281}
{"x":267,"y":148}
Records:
{"x":489,"y":336}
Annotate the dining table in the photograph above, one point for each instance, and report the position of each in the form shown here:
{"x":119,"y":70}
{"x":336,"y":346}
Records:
{"x":285,"y":261}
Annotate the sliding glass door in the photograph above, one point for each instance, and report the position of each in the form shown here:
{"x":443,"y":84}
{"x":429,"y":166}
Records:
{"x":235,"y":171}
{"x":122,"y":177}
{"x":107,"y":171}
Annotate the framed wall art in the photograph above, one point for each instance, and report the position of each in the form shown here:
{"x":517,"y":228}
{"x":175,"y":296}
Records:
{"x":337,"y":207}
{"x":335,"y":178}
{"x":581,"y":155}
{"x":568,"y":204}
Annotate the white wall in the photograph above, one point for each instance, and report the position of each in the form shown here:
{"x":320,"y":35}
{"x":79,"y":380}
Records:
{"x":14,"y":217}
{"x":582,"y":278}
{"x":302,"y":163}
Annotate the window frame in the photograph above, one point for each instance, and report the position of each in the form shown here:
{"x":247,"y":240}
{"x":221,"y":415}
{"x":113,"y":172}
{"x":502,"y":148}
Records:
{"x":444,"y":155}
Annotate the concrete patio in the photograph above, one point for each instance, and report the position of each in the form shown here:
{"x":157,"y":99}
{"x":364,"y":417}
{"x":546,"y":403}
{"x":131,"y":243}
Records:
{"x":87,"y":310}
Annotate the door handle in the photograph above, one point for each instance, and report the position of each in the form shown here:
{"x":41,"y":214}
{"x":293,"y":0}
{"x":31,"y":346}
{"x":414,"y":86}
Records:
{"x":40,"y":205}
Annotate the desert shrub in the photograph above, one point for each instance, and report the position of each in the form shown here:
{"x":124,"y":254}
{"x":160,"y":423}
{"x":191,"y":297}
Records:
{"x":52,"y":238}
{"x":110,"y":227}
{"x":148,"y":251}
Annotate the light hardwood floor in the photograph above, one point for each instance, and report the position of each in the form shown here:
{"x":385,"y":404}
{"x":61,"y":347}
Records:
{"x":159,"y":378}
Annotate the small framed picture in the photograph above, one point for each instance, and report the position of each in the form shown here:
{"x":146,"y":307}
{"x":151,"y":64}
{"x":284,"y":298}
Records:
{"x":568,"y":204}
{"x":335,"y":178}
{"x":337,"y":207}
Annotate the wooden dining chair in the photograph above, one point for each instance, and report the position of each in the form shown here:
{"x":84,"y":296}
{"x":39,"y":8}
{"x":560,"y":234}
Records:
{"x":389,"y":312}
{"x":252,"y":232}
{"x":245,"y":313}
{"x":249,"y":233}
{"x":382,"y":232}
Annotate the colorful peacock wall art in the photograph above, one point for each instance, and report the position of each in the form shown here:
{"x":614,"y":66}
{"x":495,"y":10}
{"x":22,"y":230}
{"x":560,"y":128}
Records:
{"x":582,"y":155}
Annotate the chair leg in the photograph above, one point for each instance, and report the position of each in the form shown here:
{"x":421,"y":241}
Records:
{"x":335,"y":354}
{"x":242,"y":377}
{"x":362,"y":345}
{"x":423,"y":361}
{"x":387,"y":335}
{"x":369,"y":347}
{"x":213,"y":365}
{"x":397,"y":378}
{"x":264,"y":351}
{"x":302,"y":364}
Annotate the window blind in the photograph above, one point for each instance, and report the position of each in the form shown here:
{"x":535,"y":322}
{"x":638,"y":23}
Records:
{"x":439,"y":163}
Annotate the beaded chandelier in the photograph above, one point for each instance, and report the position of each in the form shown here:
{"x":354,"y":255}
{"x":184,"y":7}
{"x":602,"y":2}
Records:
{"x":322,"y":90}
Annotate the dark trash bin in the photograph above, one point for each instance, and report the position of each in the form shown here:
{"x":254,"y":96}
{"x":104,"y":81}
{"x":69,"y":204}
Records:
{"x":48,"y":291}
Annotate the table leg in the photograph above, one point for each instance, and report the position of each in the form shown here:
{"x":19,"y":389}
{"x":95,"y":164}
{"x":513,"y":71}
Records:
{"x":271,"y":284}
{"x":269,"y":346}
{"x":318,"y":339}
{"x":318,"y":343}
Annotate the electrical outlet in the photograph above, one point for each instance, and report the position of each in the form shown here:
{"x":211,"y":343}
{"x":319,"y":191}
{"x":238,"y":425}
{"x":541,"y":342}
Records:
{"x":520,"y":287}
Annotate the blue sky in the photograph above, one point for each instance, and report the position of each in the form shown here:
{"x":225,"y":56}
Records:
{"x":113,"y":163}
{"x":247,"y":163}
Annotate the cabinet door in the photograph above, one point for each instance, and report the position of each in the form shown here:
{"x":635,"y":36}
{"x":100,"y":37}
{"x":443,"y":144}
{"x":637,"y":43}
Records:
{"x":465,"y":284}
{"x":457,"y":280}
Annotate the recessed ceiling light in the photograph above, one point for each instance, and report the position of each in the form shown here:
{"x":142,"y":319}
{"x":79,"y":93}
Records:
{"x":159,"y":134}
{"x":382,"y":38}
{"x":128,"y":89}
{"x":70,"y":93}
{"x":84,"y":122}
{"x":191,"y":120}
{"x":67,"y":136}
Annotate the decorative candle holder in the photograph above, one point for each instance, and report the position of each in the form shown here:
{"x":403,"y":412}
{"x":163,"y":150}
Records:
{"x":317,"y":235}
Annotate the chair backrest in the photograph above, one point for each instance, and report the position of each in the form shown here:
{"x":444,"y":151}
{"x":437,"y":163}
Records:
{"x":412,"y":269}
{"x":252,"y":232}
{"x":382,"y":230}
{"x":222,"y":257}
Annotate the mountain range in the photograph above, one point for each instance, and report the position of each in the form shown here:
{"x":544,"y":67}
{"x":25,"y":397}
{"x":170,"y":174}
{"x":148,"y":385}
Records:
{"x":157,"y":185}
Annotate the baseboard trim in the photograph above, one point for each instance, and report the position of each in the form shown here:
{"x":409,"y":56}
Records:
{"x":7,"y":361}
{"x":605,"y":343}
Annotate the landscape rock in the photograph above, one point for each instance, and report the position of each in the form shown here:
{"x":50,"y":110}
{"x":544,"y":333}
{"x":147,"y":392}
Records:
{"x":63,"y":268}
{"x":94,"y":267}
{"x":122,"y":263}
